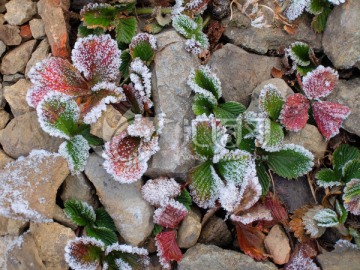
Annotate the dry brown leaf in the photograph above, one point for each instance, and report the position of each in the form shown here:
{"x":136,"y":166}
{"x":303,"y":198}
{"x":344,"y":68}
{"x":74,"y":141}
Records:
{"x":296,"y":224}
{"x":276,"y":73}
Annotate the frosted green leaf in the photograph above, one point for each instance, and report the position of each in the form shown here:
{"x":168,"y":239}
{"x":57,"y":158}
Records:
{"x":351,"y":196}
{"x":326,"y":218}
{"x":99,"y":15}
{"x":317,"y":6}
{"x":83,"y":31}
{"x":228,"y":112}
{"x":342,"y":155}
{"x":202,"y":39}
{"x":184,"y":25}
{"x":143,"y":45}
{"x":271,"y":101}
{"x":327,"y":178}
{"x":299,"y":52}
{"x":203,"y":81}
{"x":203,"y":104}
{"x":263,"y":176}
{"x":103,"y":219}
{"x":185,"y":199}
{"x":81,"y":213}
{"x":103,"y":234}
{"x":125,"y":63}
{"x":273,"y":136}
{"x":341,"y":211}
{"x":125,"y":29}
{"x":351,"y":170}
{"x":319,"y":21}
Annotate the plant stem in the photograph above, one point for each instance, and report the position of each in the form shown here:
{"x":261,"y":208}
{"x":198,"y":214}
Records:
{"x":149,"y":11}
{"x":342,"y":229}
{"x":206,"y":21}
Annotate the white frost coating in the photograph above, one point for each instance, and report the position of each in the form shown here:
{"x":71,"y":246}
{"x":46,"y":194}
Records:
{"x":79,"y":242}
{"x":160,"y":122}
{"x":325,"y":184}
{"x":140,"y":76}
{"x":258,"y":212}
{"x":272,"y":90}
{"x":141,"y":127}
{"x":120,"y":264}
{"x":96,"y":111}
{"x":229,"y":196}
{"x":296,"y":8}
{"x":35,"y":94}
{"x":310,"y":225}
{"x":197,"y":5}
{"x":147,"y":149}
{"x":80,"y":147}
{"x":352,"y":202}
{"x":58,"y":102}
{"x":302,"y":168}
{"x":143,"y":37}
{"x":337,"y":2}
{"x":160,"y":190}
{"x":178,"y":7}
{"x":97,"y":57}
{"x":326,"y":218}
{"x":344,"y":245}
{"x":301,"y":261}
{"x":86,"y":210}
{"x":93,"y":6}
{"x":181,"y":20}
{"x":289,"y":53}
{"x":193,"y":46}
{"x":177,"y":209}
{"x":126,"y":249}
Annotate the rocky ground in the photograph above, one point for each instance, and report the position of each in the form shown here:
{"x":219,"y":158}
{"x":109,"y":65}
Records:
{"x":30,"y":30}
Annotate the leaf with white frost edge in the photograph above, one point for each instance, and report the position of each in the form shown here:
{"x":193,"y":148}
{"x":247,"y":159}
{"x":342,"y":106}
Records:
{"x":167,"y":248}
{"x":327,"y":178}
{"x":299,"y":52}
{"x":351,"y":196}
{"x":81,"y":213}
{"x":296,"y":8}
{"x":205,"y":82}
{"x":326,"y":218}
{"x":271,"y":101}
{"x":310,"y":225}
{"x":342,"y":155}
{"x":351,"y":170}
{"x":142,"y":127}
{"x":159,"y":190}
{"x":170,"y":214}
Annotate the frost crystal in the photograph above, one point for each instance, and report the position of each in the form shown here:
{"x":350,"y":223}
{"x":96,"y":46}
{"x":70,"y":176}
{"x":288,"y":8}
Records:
{"x":143,"y":37}
{"x":294,"y":114}
{"x":178,"y":7}
{"x":296,"y":8}
{"x":229,"y":196}
{"x":336,"y":2}
{"x":289,"y":52}
{"x":126,"y":249}
{"x":342,"y":246}
{"x":170,"y":214}
{"x":159,"y":122}
{"x":35,"y":94}
{"x":214,"y":84}
{"x":168,"y":249}
{"x":193,"y":46}
{"x":159,"y":190}
{"x":141,"y":127}
{"x":197,"y":6}
{"x":351,"y":196}
{"x":141,"y":78}
{"x":258,"y":212}
{"x":120,"y":264}
{"x":310,"y":225}
{"x":182,"y":23}
{"x":301,"y":261}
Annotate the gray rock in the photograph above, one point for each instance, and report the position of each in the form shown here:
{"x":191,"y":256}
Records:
{"x":341,"y":39}
{"x":5,"y":242}
{"x":28,"y":186}
{"x":4,"y":118}
{"x":215,"y":232}
{"x":4,"y":159}
{"x":349,"y":260}
{"x":278,"y":246}
{"x":132,"y":215}
{"x":240,"y":72}
{"x":15,"y":95}
{"x":189,"y":230}
{"x":261,"y":40}
{"x":172,"y":97}
{"x":16,"y":60}
{"x":19,"y":11}
{"x":2,"y":48}
{"x":10,"y":34}
{"x":13,"y":78}
{"x":12,"y":227}
{"x":2,"y":19}
{"x":2,"y":99}
{"x":23,"y":134}
{"x":348,"y":93}
{"x":41,"y":52}
{"x":37,"y":28}
{"x":211,"y":257}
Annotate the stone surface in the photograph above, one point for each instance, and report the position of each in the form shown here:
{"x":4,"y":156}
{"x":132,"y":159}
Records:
{"x":10,"y":226}
{"x":60,"y":217}
{"x":341,"y":39}
{"x":50,"y":240}
{"x":348,"y":93}
{"x":4,"y":118}
{"x":4,"y":159}
{"x":349,"y":260}
{"x":52,"y":14}
{"x":16,"y":60}
{"x":23,"y":134}
{"x":15,"y":95}
{"x":109,"y":124}
{"x":2,"y":48}
{"x":211,"y":257}
{"x":41,"y":52}
{"x":310,"y":138}
{"x":215,"y":232}
{"x":10,"y":34}
{"x":240,"y":72}
{"x":28,"y":186}
{"x":172,"y":97}
{"x":37,"y":28}
{"x":2,"y":19}
{"x":2,"y":99}
{"x":278,"y":246}
{"x":240,"y":32}
{"x":13,"y":78}
{"x":19,"y":11}
{"x":132,"y":215}
{"x":189,"y":230}
{"x":5,"y":242}
{"x":25,"y":32}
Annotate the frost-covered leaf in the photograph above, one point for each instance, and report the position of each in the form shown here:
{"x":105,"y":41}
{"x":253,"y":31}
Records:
{"x":84,"y":253}
{"x":341,"y":212}
{"x":203,"y":81}
{"x":36,"y":94}
{"x":103,"y":219}
{"x":273,"y":136}
{"x":143,"y":46}
{"x":204,"y":185}
{"x":316,"y":7}
{"x":277,"y":209}
{"x":185,"y":199}
{"x":196,"y":7}
{"x":103,"y":234}
{"x":58,"y":115}
{"x":296,"y":8}
{"x":84,"y":31}
{"x":291,"y":161}
{"x":203,"y":104}
{"x":342,"y":155}
{"x":99,"y":15}
{"x":125,"y":63}
{"x":311,"y":226}
{"x":184,"y":25}
{"x":97,"y":57}
{"x":125,"y":29}
{"x":351,"y":170}
{"x":297,"y":226}
{"x":81,"y":213}
{"x":255,"y":213}
{"x":160,"y":190}
{"x":141,"y":127}
{"x":168,"y":249}
{"x":319,"y":21}
{"x":319,"y":82}
{"x":326,"y":218}
{"x":170,"y":214}
{"x":299,"y":52}
{"x":327,"y":178}
{"x":271,"y":101}
{"x":351,"y":196}
{"x":228,"y":112}
{"x":302,"y":259}
{"x":294,"y":114}
{"x":76,"y":153}
{"x":329,"y":116}
{"x":264,"y":177}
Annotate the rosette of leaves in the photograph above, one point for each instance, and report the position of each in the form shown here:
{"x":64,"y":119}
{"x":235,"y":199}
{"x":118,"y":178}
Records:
{"x":302,"y":57}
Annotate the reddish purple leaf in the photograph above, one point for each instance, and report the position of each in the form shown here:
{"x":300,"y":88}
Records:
{"x":168,"y":249}
{"x":319,"y":82}
{"x":36,"y":94}
{"x":294,"y":114}
{"x":329,"y":117}
{"x":170,"y":214}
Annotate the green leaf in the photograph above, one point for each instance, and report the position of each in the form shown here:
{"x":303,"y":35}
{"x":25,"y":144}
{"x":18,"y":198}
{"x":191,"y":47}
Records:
{"x":351,"y":170}
{"x":291,"y":161}
{"x":202,"y":39}
{"x":103,"y":219}
{"x":242,"y":141}
{"x":185,"y":199}
{"x":125,"y":29}
{"x":125,"y":64}
{"x":153,"y":28}
{"x":76,"y":153}
{"x":341,"y":211}
{"x":203,"y":104}
{"x":84,"y":130}
{"x":83,"y":31}
{"x":271,"y":101}
{"x":327,"y":178}
{"x":351,"y":191}
{"x":304,"y":70}
{"x":342,"y":155}
{"x":326,"y":218}
{"x":103,"y":234}
{"x":184,"y":25}
{"x":81,"y":213}
{"x":319,"y":21}
{"x":203,"y":81}
{"x":99,"y":16}
{"x":317,"y":6}
{"x":204,"y":184}
{"x":233,"y":107}
{"x":300,"y":53}
{"x":228,"y":112}
{"x":264,"y":177}
{"x":144,"y":51}
{"x":273,"y":136}
{"x":157,"y":229}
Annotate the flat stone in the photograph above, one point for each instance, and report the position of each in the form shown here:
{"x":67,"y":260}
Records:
{"x":240,"y":72}
{"x":19,"y":12}
{"x":215,"y":232}
{"x":29,"y":185}
{"x":52,"y":14}
{"x":50,"y":240}
{"x":37,"y":28}
{"x":341,"y":39}
{"x":349,"y":260}
{"x":172,"y":97}
{"x":12,"y":227}
{"x":189,"y":230}
{"x":277,"y":244}
{"x":4,"y":118}
{"x":41,"y":52}
{"x":211,"y":257}
{"x":5,"y":242}
{"x":10,"y":34}
{"x":2,"y":48}
{"x":13,"y":78}
{"x":132,"y":215}
{"x":15,"y":95}
{"x":16,"y":60}
{"x":4,"y":159}
{"x":348,"y":93}
{"x":23,"y":134}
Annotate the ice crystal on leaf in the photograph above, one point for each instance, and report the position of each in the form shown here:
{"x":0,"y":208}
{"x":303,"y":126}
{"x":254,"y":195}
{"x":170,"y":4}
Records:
{"x":296,"y":8}
{"x":143,"y":45}
{"x":170,"y":214}
{"x":294,"y":114}
{"x":193,"y":46}
{"x":141,"y":127}
{"x":258,"y":212}
{"x":336,"y":2}
{"x":351,"y":196}
{"x":310,"y":225}
{"x":159,"y":190}
{"x":271,"y":101}
{"x":301,"y":261}
{"x":196,"y":7}
{"x":326,"y":218}
{"x":167,"y":247}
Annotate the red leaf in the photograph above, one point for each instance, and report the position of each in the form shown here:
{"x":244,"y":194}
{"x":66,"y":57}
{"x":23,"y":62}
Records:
{"x":302,"y":258}
{"x":319,"y":82}
{"x":329,"y":117}
{"x":251,"y":241}
{"x":277,"y":209}
{"x":36,"y":94}
{"x":294,"y":114}
{"x":168,"y":249}
{"x":170,"y":215}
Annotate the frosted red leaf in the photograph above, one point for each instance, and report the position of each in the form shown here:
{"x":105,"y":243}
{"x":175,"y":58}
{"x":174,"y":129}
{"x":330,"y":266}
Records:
{"x":319,"y":82}
{"x":35,"y":94}
{"x":168,"y":249}
{"x":277,"y":209}
{"x":170,"y":214}
{"x":294,"y":114}
{"x":329,"y":117}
